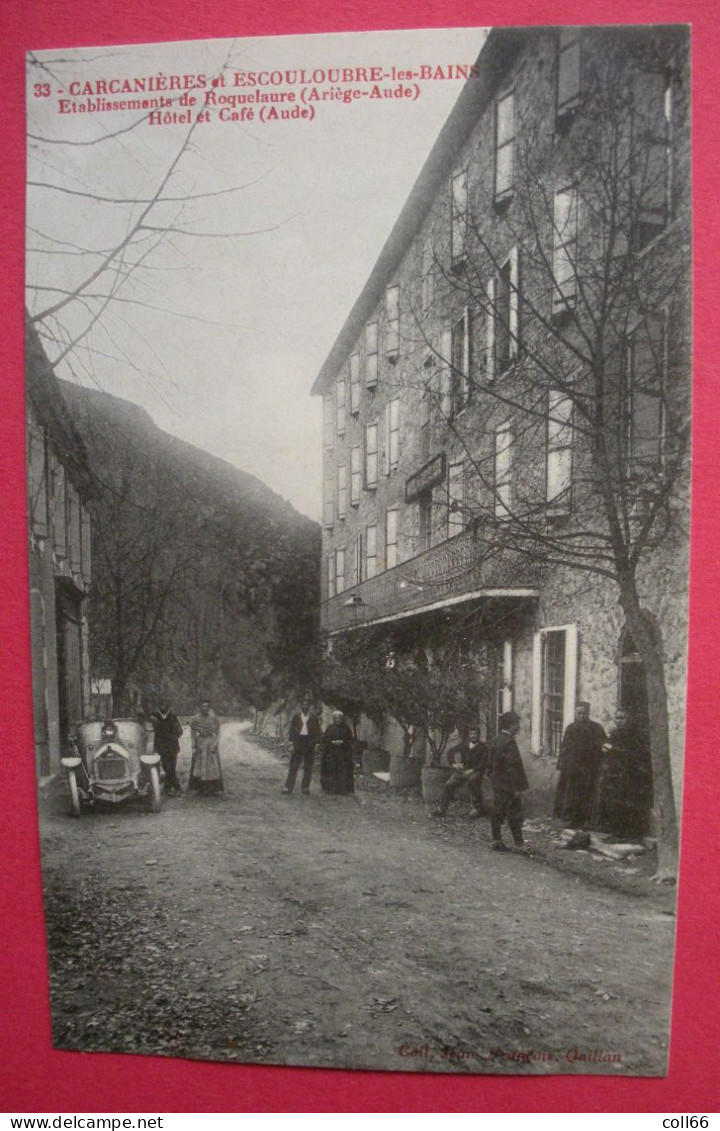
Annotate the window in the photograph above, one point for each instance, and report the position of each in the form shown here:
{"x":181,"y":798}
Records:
{"x":391,"y":538}
{"x":652,"y":120}
{"x":644,"y":412}
{"x":340,"y":407}
{"x":503,"y":316}
{"x":331,"y":576}
{"x":503,"y":679}
{"x":59,"y":530}
{"x":554,"y":688}
{"x":565,"y":239}
{"x":458,"y":216}
{"x":329,"y":501}
{"x":426,"y":406}
{"x":392,"y":329}
{"x":504,"y":146}
{"x":72,"y":501}
{"x":358,"y":559}
{"x":559,"y":453}
{"x":371,"y":456}
{"x":393,"y":418}
{"x":425,"y":515}
{"x":355,"y":476}
{"x":339,"y":571}
{"x":38,"y":481}
{"x":342,"y":491}
{"x":86,"y":541}
{"x":460,"y":361}
{"x":428,"y":278}
{"x":371,"y":359}
{"x":503,"y":471}
{"x":355,"y":384}
{"x":568,"y":70}
{"x":456,"y":499}
{"x":370,"y":551}
{"x":328,"y":420}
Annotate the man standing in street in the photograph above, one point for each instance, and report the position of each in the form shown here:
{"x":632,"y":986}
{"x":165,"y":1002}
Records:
{"x":578,"y":765}
{"x":508,"y":779}
{"x":167,"y":730}
{"x":304,"y":733}
{"x":469,"y":761}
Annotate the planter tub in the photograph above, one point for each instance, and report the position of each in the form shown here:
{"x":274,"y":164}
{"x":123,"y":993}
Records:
{"x":375,"y":760}
{"x":404,"y":772}
{"x":433,"y":782}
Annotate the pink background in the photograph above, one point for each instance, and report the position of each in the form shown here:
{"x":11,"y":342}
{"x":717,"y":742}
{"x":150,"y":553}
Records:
{"x":33,"y":1077}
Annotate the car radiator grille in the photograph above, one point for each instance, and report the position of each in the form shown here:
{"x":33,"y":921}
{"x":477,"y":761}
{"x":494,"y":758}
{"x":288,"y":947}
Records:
{"x":111,"y":768}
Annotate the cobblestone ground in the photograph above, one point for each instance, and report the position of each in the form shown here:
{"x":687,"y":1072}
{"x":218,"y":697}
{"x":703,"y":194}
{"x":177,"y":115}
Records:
{"x":345,"y":931}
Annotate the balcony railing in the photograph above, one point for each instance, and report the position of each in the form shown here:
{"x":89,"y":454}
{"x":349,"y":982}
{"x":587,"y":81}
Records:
{"x":460,"y":568}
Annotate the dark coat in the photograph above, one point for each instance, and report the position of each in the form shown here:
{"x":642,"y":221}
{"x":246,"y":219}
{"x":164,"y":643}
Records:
{"x":167,"y":733}
{"x":506,"y":770}
{"x":336,"y":766}
{"x":624,"y":792}
{"x":313,"y":726}
{"x":578,"y":764}
{"x":472,"y":757}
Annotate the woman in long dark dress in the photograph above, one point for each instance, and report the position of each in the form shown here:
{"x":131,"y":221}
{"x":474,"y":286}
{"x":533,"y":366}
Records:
{"x":205,"y":769}
{"x":336,"y":765}
{"x":624,"y":793}
{"x":580,"y":756}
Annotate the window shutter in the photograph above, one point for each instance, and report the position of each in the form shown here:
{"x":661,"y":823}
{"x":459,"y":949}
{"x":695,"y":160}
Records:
{"x":536,"y":718}
{"x":514,"y":320}
{"x":490,"y":329}
{"x":571,"y":661}
{"x":386,"y":427}
{"x":445,"y":379}
{"x":507,"y":693}
{"x":86,"y":537}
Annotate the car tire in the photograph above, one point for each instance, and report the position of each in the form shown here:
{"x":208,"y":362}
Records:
{"x":75,"y":806}
{"x":155,"y":798}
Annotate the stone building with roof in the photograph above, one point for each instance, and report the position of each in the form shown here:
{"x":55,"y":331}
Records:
{"x":506,"y":408}
{"x":59,"y":484}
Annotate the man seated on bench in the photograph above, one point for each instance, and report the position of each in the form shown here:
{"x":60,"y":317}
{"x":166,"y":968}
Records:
{"x":469,"y":761}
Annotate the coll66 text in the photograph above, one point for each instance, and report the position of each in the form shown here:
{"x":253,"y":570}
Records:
{"x":686,"y":1121}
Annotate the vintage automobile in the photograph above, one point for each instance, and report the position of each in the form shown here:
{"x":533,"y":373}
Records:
{"x":108,"y":761}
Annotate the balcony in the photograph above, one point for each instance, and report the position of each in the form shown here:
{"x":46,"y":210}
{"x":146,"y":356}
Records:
{"x":461,"y":569}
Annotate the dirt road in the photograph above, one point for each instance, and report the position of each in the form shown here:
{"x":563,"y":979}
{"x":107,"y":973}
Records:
{"x":345,"y":931}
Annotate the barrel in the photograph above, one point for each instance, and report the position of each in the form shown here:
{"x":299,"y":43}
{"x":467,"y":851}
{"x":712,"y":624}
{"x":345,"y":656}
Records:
{"x":433,"y":782}
{"x":404,"y":772}
{"x":375,"y":760}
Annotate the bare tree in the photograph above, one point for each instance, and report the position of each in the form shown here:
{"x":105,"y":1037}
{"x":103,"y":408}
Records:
{"x":113,"y":213}
{"x":567,"y":290}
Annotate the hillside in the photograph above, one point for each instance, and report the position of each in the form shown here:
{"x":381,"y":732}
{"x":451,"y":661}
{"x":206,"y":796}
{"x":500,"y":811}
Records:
{"x":204,"y":580}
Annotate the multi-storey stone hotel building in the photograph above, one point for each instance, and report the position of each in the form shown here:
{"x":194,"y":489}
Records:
{"x":506,"y":407}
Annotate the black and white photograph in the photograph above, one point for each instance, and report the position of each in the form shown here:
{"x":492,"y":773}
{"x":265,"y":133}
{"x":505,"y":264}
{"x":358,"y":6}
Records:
{"x":358,"y":461}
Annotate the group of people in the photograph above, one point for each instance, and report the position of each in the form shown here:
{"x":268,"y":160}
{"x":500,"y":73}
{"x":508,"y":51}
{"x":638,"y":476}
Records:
{"x":336,"y":744}
{"x":605,"y":782}
{"x":205,"y":768}
{"x":498,"y":765}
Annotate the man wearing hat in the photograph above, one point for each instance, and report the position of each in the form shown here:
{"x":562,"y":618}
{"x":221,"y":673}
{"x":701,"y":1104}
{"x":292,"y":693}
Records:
{"x":508,"y":779}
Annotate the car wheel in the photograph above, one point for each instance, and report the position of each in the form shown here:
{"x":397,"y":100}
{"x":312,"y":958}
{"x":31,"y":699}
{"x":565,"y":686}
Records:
{"x":75,"y":806}
{"x":154,"y":790}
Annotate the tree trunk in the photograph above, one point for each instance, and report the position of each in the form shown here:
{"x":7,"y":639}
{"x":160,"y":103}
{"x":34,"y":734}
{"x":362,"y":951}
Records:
{"x":649,"y":648}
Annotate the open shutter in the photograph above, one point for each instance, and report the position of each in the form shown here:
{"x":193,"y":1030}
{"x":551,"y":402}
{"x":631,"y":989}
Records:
{"x":514,"y":319}
{"x":490,"y":329}
{"x":445,"y":376}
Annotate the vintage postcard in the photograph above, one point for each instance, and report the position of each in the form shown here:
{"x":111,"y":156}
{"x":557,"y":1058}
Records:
{"x":358,"y":410}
